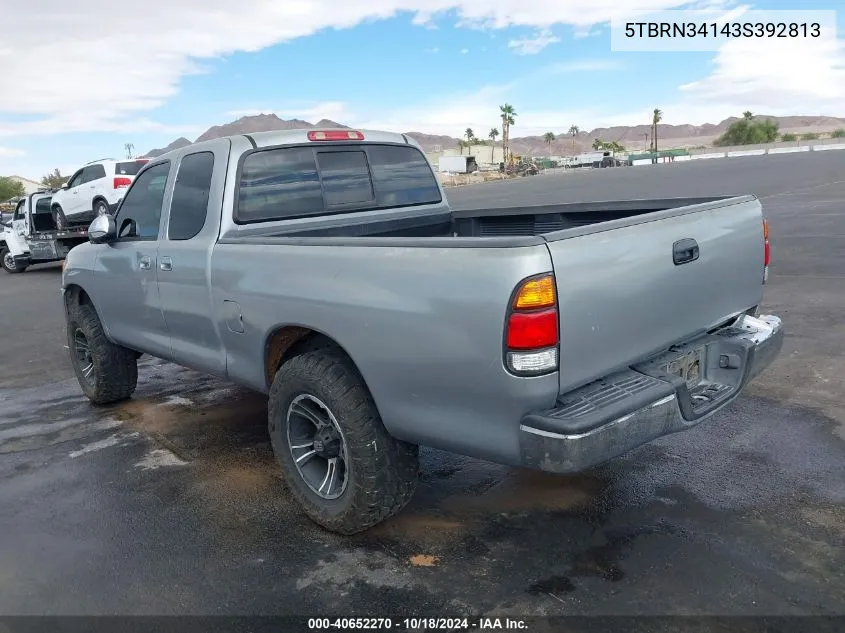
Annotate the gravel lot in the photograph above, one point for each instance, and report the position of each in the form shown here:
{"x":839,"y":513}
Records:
{"x":171,"y":503}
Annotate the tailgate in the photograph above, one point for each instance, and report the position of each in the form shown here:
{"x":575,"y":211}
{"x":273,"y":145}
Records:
{"x":622,"y":297}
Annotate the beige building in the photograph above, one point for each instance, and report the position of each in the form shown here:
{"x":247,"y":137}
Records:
{"x":484,"y":155}
{"x":29,"y":186}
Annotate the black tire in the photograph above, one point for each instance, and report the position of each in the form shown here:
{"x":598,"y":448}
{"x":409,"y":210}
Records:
{"x":7,"y":262}
{"x":100,"y":207}
{"x":380,"y":472}
{"x":113,"y":371}
{"x":59,"y":218}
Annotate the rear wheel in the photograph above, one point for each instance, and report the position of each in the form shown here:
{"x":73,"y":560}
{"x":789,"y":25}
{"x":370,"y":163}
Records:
{"x":105,"y":371}
{"x":59,"y":218}
{"x":7,"y":261}
{"x":339,"y":462}
{"x":100,"y":207}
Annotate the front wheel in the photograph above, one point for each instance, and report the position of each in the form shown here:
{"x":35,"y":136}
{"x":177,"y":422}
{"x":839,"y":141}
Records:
{"x":7,"y":261}
{"x":105,"y":371}
{"x":339,"y":462}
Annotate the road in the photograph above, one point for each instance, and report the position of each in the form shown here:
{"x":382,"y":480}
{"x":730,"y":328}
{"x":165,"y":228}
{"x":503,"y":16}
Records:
{"x":171,"y":503}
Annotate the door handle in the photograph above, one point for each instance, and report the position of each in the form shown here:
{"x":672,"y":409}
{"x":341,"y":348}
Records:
{"x":166,"y":264}
{"x":145,"y":263}
{"x":685,"y":251}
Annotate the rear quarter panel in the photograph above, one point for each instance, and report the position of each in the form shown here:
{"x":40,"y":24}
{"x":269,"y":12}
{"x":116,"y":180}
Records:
{"x":423,"y":325}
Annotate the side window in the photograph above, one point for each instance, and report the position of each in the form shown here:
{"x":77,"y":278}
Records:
{"x":75,"y":180}
{"x":93,"y":172}
{"x":279,"y":183}
{"x":346,"y":178}
{"x":189,"y":206}
{"x":139,"y":215}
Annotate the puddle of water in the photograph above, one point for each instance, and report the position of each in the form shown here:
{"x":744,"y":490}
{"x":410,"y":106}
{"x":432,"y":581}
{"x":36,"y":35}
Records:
{"x":552,"y":585}
{"x":528,"y":490}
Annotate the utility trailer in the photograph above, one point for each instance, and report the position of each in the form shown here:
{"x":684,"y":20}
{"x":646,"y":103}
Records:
{"x":31,"y":237}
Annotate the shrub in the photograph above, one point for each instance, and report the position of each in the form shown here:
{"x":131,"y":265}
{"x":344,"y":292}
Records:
{"x":748,"y":132}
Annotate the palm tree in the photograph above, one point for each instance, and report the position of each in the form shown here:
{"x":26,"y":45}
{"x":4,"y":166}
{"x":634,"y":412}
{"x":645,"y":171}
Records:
{"x":470,"y":138}
{"x":597,"y":143}
{"x":573,"y":132}
{"x":494,"y":132}
{"x":747,"y":115}
{"x":656,"y":117}
{"x":508,"y":115}
{"x":461,"y":146}
{"x":548,"y":137}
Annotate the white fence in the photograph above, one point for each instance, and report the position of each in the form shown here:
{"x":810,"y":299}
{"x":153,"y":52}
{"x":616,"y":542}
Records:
{"x":817,"y":147}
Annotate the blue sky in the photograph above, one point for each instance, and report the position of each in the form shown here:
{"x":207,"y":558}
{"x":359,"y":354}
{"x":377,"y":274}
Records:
{"x":157,"y":70}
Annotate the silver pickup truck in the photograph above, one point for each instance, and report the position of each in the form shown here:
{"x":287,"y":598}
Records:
{"x":326,"y":269}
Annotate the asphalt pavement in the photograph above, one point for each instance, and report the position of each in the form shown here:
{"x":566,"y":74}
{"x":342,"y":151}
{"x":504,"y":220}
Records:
{"x":171,"y":503}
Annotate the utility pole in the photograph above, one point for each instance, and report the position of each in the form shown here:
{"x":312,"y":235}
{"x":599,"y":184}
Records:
{"x":129,"y":149}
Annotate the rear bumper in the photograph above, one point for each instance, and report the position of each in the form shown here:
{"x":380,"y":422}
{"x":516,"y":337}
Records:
{"x":624,"y":410}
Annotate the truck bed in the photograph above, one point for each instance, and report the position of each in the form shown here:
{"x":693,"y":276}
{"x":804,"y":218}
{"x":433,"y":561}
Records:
{"x":622,"y":299}
{"x":501,"y":222}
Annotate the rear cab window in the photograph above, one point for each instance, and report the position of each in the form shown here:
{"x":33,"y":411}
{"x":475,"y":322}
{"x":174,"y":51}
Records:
{"x":295,"y":182}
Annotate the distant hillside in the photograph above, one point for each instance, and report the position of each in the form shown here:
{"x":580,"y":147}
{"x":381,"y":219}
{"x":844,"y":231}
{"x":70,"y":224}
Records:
{"x":177,"y":144}
{"x":631,"y":136}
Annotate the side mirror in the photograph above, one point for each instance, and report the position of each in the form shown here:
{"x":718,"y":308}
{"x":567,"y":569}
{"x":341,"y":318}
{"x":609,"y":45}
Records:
{"x":64,"y":186}
{"x":103,"y":229}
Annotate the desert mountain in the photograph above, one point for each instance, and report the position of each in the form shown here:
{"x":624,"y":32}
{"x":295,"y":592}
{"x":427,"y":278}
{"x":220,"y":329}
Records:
{"x":631,"y":136}
{"x":177,"y":144}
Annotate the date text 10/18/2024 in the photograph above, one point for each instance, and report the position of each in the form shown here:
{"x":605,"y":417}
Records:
{"x":417,"y":624}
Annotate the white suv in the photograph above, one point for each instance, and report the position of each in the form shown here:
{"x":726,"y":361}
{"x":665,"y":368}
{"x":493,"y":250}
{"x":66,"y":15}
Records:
{"x":93,"y":190}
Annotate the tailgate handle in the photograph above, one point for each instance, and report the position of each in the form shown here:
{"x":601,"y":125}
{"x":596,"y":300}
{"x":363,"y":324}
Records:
{"x":684,"y":251}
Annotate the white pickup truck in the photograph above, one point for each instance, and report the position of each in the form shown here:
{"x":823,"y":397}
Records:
{"x":31,"y":237}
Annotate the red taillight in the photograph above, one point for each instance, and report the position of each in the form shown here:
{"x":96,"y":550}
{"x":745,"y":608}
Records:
{"x":335,"y":135}
{"x":122,"y":183}
{"x":532,"y":333}
{"x":532,"y":330}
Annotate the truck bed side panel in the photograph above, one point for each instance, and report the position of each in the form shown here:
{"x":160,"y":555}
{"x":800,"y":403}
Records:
{"x":622,"y":297}
{"x":423,"y":325}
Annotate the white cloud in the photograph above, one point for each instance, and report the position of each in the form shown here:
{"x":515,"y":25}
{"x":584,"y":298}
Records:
{"x":10,"y":152}
{"x":98,"y":68}
{"x":532,"y":46}
{"x":789,"y":77}
{"x":464,"y":51}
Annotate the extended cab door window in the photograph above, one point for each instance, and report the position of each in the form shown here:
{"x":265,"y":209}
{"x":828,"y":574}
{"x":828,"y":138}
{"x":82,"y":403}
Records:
{"x":139,"y":216}
{"x":189,"y":206}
